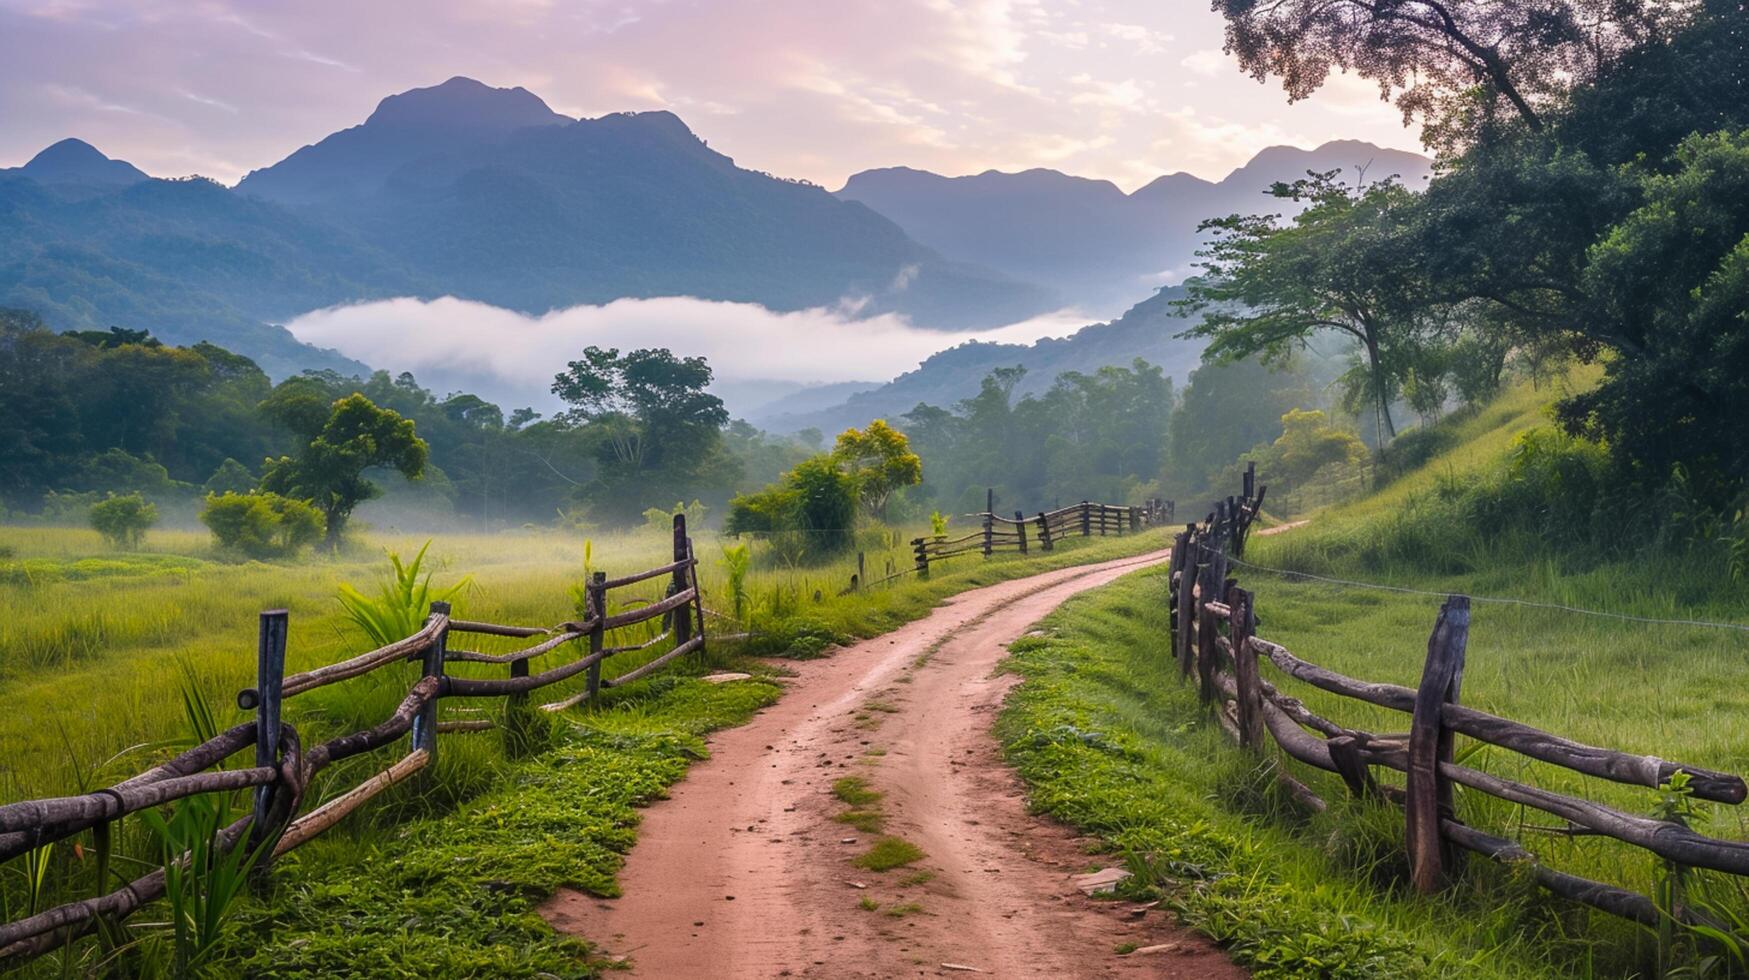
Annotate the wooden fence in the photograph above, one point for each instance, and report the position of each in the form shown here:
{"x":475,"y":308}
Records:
{"x":283,"y":766}
{"x":1214,"y":636}
{"x":1021,"y":533}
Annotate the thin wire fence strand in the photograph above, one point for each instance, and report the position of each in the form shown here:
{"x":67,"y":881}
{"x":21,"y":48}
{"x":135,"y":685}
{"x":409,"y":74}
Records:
{"x":1495,"y":600}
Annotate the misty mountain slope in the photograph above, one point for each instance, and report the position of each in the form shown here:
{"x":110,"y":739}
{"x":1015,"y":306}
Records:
{"x":1147,"y":330}
{"x":188,"y":260}
{"x":635,"y":204}
{"x":1086,"y":239}
{"x":466,"y":190}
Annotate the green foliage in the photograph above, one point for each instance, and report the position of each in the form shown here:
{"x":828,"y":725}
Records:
{"x":230,"y":477}
{"x":1268,"y":289}
{"x":810,"y":516}
{"x":261,"y":524}
{"x":879,"y":460}
{"x":402,"y":601}
{"x":1096,"y":435}
{"x":329,"y":470}
{"x":938,"y":524}
{"x":657,"y":427}
{"x":203,"y":878}
{"x":123,"y":520}
{"x":737,"y":561}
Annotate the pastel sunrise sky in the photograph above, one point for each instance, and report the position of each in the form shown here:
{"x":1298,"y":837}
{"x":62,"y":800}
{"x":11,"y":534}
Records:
{"x":817,"y":89}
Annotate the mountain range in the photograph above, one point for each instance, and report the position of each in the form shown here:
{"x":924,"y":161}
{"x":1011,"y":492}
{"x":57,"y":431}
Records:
{"x":488,"y":194}
{"x":1091,"y":244}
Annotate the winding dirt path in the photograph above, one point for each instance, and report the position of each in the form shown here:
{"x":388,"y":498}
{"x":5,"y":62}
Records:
{"x":743,"y":872}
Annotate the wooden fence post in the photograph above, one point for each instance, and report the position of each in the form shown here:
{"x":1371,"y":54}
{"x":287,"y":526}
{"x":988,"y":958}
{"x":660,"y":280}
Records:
{"x":1086,"y":520}
{"x":425,"y":722}
{"x":595,"y":611}
{"x":1250,"y":481}
{"x":1188,"y":572}
{"x":1135,"y":519}
{"x":682,"y":552}
{"x":1044,"y":531}
{"x":697,"y":609}
{"x":1174,"y":570}
{"x":1207,"y":628}
{"x":1250,"y":686}
{"x":1428,"y":795}
{"x":989,"y":532}
{"x":269,"y":682}
{"x":1020,"y":529}
{"x":920,"y":555}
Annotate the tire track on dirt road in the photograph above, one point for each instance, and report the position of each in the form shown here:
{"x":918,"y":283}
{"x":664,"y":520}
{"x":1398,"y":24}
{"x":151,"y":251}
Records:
{"x":743,"y":872}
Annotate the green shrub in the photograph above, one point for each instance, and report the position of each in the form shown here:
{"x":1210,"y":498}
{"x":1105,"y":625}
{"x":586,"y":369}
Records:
{"x":809,"y":516}
{"x":123,"y":520}
{"x":261,"y":525}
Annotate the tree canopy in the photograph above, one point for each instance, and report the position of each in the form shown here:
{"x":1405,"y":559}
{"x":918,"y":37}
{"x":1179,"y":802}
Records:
{"x":329,"y":470}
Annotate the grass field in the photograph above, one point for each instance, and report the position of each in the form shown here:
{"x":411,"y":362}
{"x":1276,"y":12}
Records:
{"x":1680,"y":692}
{"x":97,"y":649}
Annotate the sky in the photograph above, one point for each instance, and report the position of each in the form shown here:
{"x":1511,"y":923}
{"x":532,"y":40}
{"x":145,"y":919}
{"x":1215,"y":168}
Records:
{"x":815,"y":89}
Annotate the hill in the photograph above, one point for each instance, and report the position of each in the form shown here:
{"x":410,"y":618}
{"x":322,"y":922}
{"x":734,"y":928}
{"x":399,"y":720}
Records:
{"x":465,"y":190}
{"x":1087,"y":240}
{"x":1147,"y":330}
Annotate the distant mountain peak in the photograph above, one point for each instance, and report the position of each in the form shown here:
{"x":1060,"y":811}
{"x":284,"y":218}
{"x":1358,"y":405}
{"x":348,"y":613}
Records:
{"x":463,"y":102}
{"x":76,"y":161}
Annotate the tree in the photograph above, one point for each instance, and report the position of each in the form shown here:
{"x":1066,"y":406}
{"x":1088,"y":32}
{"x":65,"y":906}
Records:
{"x":123,"y":520}
{"x":880,"y":462}
{"x":329,"y":470}
{"x":1673,"y":279}
{"x":657,"y":429}
{"x":1338,"y":266}
{"x":230,"y":477}
{"x":1447,"y":59}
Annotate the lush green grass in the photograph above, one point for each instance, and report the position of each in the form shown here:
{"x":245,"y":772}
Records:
{"x":95,"y":649}
{"x":1674,"y":691}
{"x":1109,"y":740}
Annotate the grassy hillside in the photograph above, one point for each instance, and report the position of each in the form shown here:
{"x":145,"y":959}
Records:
{"x":1472,"y":519}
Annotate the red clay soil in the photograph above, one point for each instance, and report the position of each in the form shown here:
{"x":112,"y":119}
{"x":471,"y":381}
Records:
{"x":743,"y":872}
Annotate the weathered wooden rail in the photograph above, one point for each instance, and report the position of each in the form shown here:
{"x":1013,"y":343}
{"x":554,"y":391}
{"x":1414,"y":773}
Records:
{"x":1021,"y":533}
{"x":283,"y":767}
{"x":1214,"y":636}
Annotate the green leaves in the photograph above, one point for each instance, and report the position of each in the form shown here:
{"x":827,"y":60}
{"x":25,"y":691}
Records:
{"x":402,"y":601}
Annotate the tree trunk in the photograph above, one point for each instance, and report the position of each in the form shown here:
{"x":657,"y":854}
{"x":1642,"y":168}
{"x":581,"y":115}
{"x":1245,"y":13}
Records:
{"x":1380,"y":389}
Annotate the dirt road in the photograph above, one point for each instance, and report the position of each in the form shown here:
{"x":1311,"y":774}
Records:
{"x":744,"y":872}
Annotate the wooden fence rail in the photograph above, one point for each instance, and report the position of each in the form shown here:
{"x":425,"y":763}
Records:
{"x":1021,"y":533}
{"x":1213,"y":624}
{"x":283,"y":769}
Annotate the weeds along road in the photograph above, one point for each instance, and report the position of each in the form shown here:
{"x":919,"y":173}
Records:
{"x":745,"y":872}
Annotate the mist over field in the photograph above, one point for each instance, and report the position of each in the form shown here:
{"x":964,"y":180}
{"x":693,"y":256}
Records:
{"x":511,"y":357}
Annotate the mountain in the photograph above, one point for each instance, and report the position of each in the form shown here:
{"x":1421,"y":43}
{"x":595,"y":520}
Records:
{"x":76,"y":162}
{"x":466,"y":190}
{"x":458,"y":116}
{"x":1147,"y":330}
{"x":1086,"y":240}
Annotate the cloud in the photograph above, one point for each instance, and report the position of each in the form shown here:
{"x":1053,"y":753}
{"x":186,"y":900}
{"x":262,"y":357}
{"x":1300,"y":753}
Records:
{"x":454,"y":344}
{"x":1207,"y":61}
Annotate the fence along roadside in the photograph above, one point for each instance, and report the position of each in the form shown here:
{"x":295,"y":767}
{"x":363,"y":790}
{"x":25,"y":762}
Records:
{"x":284,"y":767}
{"x":997,"y":533}
{"x":1213,"y":623}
